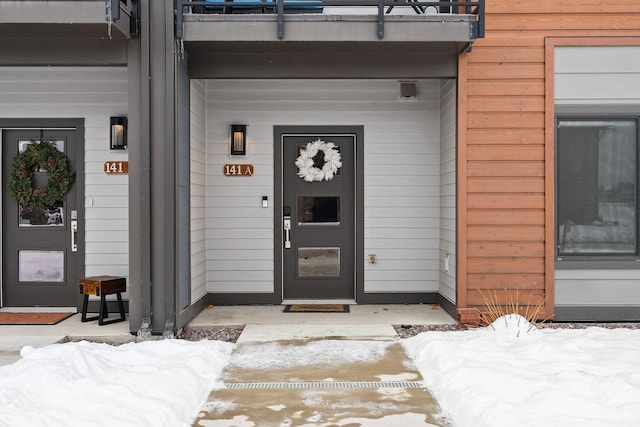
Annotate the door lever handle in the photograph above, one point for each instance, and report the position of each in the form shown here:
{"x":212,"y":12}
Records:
{"x":287,"y":232}
{"x":74,"y":233}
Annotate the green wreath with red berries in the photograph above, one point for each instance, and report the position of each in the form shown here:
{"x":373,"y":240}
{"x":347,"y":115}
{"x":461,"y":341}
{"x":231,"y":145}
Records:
{"x":40,"y":156}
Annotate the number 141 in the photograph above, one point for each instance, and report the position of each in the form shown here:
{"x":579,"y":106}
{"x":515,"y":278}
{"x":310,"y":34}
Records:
{"x":112,"y":168}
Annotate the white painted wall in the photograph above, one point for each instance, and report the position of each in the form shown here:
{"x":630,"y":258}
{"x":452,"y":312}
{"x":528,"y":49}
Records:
{"x":95,"y":94}
{"x":402,"y":177}
{"x":198,"y":170}
{"x":448,"y":190}
{"x":607,"y":77}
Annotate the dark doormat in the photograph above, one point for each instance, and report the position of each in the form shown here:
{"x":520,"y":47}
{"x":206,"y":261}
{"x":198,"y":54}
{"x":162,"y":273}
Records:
{"x":33,"y":318}
{"x":317,"y":308}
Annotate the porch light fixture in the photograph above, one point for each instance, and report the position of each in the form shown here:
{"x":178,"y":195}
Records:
{"x":238,"y":140}
{"x":118,"y":133}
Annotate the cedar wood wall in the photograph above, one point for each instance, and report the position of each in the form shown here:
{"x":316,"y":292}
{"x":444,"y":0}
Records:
{"x":506,"y":141}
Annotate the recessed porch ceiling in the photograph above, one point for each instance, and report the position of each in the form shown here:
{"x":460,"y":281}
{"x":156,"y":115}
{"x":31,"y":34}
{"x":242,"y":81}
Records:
{"x":61,"y":44}
{"x":323,"y":60}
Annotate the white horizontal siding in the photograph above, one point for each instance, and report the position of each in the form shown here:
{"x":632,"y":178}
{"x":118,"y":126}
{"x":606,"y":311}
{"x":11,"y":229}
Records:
{"x":239,"y":285}
{"x":597,"y":75}
{"x":402,"y":161}
{"x":447,"y":190}
{"x":198,"y":179}
{"x":236,"y":244}
{"x":93,"y":94}
{"x":597,"y":287}
{"x":236,"y":261}
{"x":425,"y":200}
{"x":411,"y":214}
{"x":239,"y":254}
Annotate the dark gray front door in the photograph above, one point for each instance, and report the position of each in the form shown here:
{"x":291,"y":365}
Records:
{"x":39,"y":263}
{"x":318,"y":261}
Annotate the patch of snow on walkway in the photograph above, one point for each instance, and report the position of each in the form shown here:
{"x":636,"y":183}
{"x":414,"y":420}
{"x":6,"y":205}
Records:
{"x":275,"y":355}
{"x":508,"y":375}
{"x":155,"y":383}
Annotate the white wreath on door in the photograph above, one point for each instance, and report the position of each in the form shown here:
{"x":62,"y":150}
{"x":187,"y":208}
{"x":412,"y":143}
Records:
{"x":306,"y":162}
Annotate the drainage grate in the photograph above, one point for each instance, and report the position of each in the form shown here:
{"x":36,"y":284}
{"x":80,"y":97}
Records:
{"x":324,"y":384}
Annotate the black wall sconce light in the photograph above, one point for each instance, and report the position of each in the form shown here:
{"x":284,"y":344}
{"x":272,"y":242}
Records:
{"x":238,"y":140}
{"x":118,"y":133}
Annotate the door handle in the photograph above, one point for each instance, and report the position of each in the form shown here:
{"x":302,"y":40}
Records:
{"x":287,"y":232}
{"x":74,"y":234}
{"x":286,"y":223}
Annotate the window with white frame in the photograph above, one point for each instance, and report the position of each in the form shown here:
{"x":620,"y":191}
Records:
{"x":597,"y":186}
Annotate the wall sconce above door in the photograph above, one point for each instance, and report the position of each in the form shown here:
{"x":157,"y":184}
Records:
{"x":238,"y":140}
{"x":118,"y":133}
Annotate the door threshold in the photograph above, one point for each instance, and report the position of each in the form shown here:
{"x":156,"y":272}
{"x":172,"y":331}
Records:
{"x":318,"y":301}
{"x":38,"y":309}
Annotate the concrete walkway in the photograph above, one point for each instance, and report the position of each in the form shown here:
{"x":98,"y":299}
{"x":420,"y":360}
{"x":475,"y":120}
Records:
{"x":320,"y":369}
{"x":14,"y":337}
{"x":391,"y":314}
{"x":345,"y":376}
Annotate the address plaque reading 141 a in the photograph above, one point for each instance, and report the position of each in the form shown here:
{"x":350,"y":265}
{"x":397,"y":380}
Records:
{"x":238,"y":170}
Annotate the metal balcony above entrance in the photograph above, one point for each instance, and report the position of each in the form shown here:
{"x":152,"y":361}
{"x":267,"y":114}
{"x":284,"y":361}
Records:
{"x":330,"y":21}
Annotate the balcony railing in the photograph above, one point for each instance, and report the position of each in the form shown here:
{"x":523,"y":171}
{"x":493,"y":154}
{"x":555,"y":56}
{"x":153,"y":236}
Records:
{"x":130,"y":7}
{"x":381,"y":8}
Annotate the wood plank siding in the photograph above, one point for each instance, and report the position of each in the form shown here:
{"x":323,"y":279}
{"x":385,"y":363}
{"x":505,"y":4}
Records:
{"x":506,"y":141}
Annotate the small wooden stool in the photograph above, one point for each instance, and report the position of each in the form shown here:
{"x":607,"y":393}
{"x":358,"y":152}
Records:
{"x":102,"y":286}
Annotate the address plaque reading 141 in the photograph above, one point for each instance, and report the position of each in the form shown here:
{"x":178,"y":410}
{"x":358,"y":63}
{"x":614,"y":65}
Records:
{"x":238,"y":170}
{"x":116,"y":168}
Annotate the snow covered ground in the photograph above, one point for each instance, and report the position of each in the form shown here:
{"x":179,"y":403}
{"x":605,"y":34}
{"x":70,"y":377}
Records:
{"x":155,"y":383}
{"x":507,"y":375}
{"x":512,"y":374}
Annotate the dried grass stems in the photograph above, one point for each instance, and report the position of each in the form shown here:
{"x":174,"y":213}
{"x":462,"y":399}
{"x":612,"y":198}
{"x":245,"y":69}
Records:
{"x":495,"y":308}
